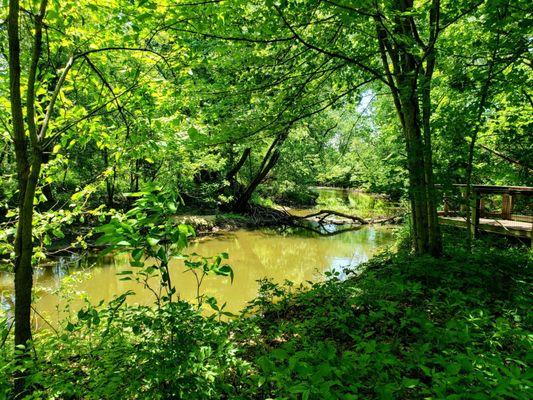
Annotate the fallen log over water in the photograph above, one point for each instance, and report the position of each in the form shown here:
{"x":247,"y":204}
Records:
{"x":326,"y":213}
{"x":322,"y":220}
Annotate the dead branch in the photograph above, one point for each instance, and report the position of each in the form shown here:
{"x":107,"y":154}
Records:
{"x":327,"y":213}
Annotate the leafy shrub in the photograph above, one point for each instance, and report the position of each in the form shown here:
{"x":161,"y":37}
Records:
{"x":172,"y":352}
{"x":408,"y":328}
{"x":403,"y":328}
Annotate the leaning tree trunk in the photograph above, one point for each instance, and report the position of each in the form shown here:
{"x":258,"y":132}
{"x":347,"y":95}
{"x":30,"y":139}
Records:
{"x":241,"y":203}
{"x":235,"y":187}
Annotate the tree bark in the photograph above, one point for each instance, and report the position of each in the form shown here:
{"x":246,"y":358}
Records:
{"x":435,"y":237}
{"x":242,"y":201}
{"x":269,"y":161}
{"x":28,"y":176}
{"x":230,"y":176}
{"x":410,"y":87}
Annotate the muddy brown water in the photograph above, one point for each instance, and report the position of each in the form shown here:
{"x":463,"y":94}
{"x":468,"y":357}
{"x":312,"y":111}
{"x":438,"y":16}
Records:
{"x":298,"y":256}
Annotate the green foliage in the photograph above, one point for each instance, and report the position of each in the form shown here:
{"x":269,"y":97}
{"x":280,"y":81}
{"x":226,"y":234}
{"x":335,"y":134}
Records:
{"x":122,"y":352}
{"x":404,"y":327}
{"x":290,"y":193}
{"x":153,"y":236}
{"x":170,"y":93}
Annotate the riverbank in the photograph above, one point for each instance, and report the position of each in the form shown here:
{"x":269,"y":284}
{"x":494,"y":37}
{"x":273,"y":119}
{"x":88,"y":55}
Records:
{"x":77,"y":236}
{"x":403,"y":327}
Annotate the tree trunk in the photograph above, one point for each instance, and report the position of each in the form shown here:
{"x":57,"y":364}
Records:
{"x":28,"y":176}
{"x":403,"y":79}
{"x":417,"y":181}
{"x":232,"y":173}
{"x":269,"y":161}
{"x":435,"y":236}
{"x":241,"y":203}
{"x":24,"y":251}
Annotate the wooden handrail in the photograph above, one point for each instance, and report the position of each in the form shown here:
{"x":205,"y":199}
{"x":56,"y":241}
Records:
{"x":526,"y":190}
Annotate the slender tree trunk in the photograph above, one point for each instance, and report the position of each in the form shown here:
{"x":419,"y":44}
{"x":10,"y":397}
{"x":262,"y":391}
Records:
{"x":24,"y":251}
{"x":435,"y":236}
{"x":28,"y":176}
{"x":402,"y":74}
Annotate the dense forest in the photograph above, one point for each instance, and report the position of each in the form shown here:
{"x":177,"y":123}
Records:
{"x":147,"y":129}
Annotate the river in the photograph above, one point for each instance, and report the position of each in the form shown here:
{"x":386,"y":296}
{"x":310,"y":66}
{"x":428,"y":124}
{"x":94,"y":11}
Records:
{"x":298,"y":256}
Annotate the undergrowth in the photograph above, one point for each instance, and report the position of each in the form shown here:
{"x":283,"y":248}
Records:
{"x":403,"y":328}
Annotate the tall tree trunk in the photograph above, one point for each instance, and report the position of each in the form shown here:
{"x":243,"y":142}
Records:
{"x":402,"y":74}
{"x":435,"y":236}
{"x":28,"y":176}
{"x":417,"y":181}
{"x":24,"y":252}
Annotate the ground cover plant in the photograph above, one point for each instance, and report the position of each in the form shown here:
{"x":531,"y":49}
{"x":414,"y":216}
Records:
{"x":401,"y":327}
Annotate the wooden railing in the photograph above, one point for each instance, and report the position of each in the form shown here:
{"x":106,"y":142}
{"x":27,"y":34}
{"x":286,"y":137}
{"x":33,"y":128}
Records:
{"x":506,"y":216}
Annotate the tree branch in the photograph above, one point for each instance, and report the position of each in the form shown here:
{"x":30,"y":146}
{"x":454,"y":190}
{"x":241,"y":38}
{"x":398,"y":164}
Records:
{"x":344,"y":57}
{"x":108,"y":86}
{"x":36,"y":54}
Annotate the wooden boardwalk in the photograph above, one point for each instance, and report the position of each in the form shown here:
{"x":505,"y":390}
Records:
{"x":507,"y":221}
{"x":500,"y":226}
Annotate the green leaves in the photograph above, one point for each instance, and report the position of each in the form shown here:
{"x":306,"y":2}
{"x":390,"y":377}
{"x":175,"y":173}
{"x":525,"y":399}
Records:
{"x":150,"y":231}
{"x":152,"y":241}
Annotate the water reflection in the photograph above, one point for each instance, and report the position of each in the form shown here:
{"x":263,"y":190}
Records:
{"x":254,"y":254}
{"x":291,"y":254}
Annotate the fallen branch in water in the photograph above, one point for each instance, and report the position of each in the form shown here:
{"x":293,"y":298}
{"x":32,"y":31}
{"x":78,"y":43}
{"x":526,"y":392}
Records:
{"x":325,"y":232}
{"x":270,"y":216}
{"x":392,"y":219}
{"x":327,"y":213}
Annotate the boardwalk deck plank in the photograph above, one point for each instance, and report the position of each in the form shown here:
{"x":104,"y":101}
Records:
{"x":499,"y":226}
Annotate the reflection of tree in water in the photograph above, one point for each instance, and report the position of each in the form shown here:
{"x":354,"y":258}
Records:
{"x":361,"y":204}
{"x":296,"y":255}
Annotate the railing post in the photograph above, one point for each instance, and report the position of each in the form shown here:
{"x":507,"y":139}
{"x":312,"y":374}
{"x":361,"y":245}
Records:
{"x":464,"y":201}
{"x":475,"y":212}
{"x":507,"y":205}
{"x":446,"y":209}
